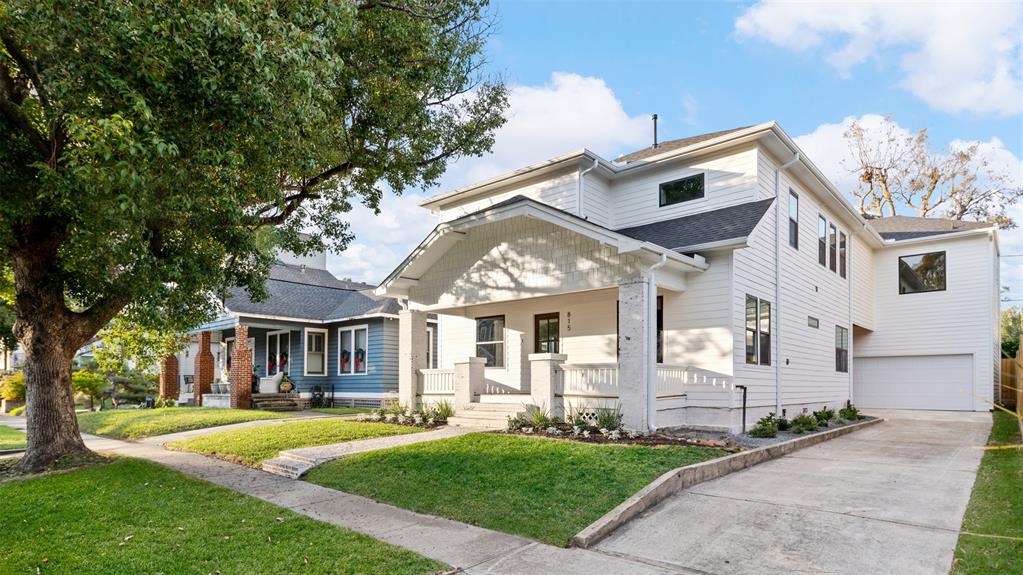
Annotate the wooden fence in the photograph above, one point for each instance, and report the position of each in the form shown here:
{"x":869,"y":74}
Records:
{"x":1012,"y":381}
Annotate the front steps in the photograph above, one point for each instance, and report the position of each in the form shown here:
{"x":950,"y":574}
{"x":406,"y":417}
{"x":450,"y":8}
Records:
{"x":486,"y":415}
{"x":277,"y":402}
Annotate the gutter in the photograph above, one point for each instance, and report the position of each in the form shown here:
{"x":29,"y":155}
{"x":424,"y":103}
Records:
{"x":579,"y":191}
{"x":777,"y":281}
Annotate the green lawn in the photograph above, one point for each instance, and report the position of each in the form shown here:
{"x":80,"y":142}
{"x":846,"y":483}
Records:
{"x":251,"y":446}
{"x":11,"y":438}
{"x":342,"y":410}
{"x":996,"y":508}
{"x":139,"y":423}
{"x":132,"y":516}
{"x":544,"y":489}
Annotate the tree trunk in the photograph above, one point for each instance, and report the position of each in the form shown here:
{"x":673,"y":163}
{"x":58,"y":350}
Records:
{"x":52,"y":424}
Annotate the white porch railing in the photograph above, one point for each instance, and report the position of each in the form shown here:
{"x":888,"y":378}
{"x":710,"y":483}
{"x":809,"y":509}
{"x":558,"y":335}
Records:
{"x":437,"y":381}
{"x":590,"y":379}
{"x":672,"y":379}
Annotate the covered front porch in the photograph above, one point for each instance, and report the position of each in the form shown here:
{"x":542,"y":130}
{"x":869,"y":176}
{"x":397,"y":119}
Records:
{"x":538,"y":307}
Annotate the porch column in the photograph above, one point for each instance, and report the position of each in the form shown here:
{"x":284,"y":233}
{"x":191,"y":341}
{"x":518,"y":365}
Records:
{"x":469,"y":377}
{"x":411,"y":354}
{"x":170,"y":386}
{"x":203,"y":369}
{"x":634,"y":358}
{"x":241,"y":369}
{"x":545,"y":381}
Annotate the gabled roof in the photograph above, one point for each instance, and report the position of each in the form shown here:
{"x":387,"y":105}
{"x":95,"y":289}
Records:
{"x":908,"y":227}
{"x":704,"y":228}
{"x":669,"y":145}
{"x":311,"y":294}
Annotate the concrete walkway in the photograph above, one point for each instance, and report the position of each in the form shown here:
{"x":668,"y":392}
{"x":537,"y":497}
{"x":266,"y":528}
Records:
{"x":888,"y":499}
{"x":475,"y":549}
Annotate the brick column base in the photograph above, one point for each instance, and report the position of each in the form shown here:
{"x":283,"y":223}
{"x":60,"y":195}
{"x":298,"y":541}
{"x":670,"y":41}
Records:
{"x":203,"y":369}
{"x":169,"y":382}
{"x":241,"y":371}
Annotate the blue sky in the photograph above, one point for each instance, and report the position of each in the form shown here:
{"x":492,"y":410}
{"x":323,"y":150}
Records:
{"x":589,"y":74}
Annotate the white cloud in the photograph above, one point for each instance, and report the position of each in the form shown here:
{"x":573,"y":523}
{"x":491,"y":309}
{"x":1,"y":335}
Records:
{"x":955,"y":56}
{"x":827,"y":148}
{"x":568,"y":113}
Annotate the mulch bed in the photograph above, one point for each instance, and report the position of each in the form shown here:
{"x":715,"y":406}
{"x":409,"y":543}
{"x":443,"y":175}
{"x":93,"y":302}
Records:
{"x":651,"y":440}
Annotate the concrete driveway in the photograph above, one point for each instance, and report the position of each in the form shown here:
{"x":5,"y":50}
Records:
{"x":887,"y":499}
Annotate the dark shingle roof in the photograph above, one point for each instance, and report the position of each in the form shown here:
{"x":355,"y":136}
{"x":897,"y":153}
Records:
{"x":908,"y":227}
{"x":669,"y":145}
{"x":705,"y":227}
{"x":310,"y":294}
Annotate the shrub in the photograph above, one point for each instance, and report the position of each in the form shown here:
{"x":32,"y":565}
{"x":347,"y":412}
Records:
{"x":13,"y":387}
{"x":824,"y":416}
{"x":850,"y":412}
{"x":442,"y":410}
{"x":163,"y":401}
{"x":516,"y":423}
{"x":803,"y":422}
{"x":767,"y":426}
{"x":20,"y":410}
{"x":783,"y":424}
{"x":575,"y":416}
{"x":609,"y":418}
{"x":538,"y":417}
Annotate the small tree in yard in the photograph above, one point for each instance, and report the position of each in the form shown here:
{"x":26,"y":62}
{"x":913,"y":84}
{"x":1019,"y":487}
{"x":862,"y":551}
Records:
{"x":125,"y":346}
{"x":153,"y":153}
{"x":89,"y":384}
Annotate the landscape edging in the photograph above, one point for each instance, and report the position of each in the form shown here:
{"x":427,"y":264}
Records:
{"x":682,"y":478}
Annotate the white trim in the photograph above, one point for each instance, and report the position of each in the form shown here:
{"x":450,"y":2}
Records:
{"x":353,"y":329}
{"x":266,"y":356}
{"x":305,"y":351}
{"x":938,"y":237}
{"x":431,"y":357}
{"x":720,"y":244}
{"x":308,"y":320}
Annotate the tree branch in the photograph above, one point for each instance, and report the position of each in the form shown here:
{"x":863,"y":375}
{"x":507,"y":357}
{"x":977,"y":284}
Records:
{"x":13,"y":114}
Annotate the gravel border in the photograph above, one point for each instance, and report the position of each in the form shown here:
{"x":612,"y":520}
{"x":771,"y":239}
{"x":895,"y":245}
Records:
{"x":747,"y":441}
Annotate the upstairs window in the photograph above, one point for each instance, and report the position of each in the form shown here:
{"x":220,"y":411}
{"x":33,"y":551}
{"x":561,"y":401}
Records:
{"x":922,"y":273}
{"x":842,"y":251}
{"x":490,"y":340}
{"x":841,"y":349}
{"x":793,"y":219}
{"x":683,"y":190}
{"x":758,"y":331}
{"x":822,"y":241}
{"x":833,"y":245}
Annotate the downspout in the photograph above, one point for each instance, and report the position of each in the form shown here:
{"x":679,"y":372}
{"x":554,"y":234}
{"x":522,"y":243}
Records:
{"x":777,"y":280}
{"x":579,"y":189}
{"x":651,"y":383}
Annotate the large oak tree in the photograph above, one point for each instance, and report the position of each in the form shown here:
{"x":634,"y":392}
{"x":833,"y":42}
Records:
{"x":152,"y":153}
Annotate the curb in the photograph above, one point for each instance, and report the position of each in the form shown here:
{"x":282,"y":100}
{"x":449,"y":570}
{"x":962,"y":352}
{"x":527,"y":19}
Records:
{"x":685,"y":477}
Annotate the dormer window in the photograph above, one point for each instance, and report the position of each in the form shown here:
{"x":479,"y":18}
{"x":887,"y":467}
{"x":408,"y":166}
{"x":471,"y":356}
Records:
{"x":684,"y":190}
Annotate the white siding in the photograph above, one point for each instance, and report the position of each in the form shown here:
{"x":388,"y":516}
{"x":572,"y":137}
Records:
{"x":955,"y":321}
{"x":560,"y":190}
{"x":863,"y":283}
{"x":730,"y":179}
{"x":597,"y":200}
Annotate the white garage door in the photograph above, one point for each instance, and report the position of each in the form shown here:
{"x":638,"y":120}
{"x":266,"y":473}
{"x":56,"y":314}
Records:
{"x":914,"y":382}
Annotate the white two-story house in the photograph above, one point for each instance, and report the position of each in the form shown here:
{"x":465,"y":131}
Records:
{"x":688,"y":283}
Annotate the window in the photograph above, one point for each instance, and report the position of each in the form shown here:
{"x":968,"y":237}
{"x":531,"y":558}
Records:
{"x":278,"y":356}
{"x":833,"y":245}
{"x":841,"y":349}
{"x":841,"y":253}
{"x":822,"y":241}
{"x":683,"y":190}
{"x":315,"y":351}
{"x":793,"y":219}
{"x":922,"y":273}
{"x":758,"y":331}
{"x":546,"y":333}
{"x":490,"y":340}
{"x":431,"y":342}
{"x":813,"y":322}
{"x":353,"y":350}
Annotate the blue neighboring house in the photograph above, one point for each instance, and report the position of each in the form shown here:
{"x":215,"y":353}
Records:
{"x":331,"y":338}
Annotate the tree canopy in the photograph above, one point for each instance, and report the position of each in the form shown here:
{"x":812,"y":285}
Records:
{"x":152,"y":153}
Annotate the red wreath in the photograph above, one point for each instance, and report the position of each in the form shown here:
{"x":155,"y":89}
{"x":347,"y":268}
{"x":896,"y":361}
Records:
{"x":283,"y":359}
{"x":345,"y":357}
{"x":360,"y":359}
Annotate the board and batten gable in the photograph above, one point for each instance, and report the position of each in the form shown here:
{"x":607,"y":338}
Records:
{"x":730,"y":179}
{"x":955,"y":321}
{"x":863,"y":282}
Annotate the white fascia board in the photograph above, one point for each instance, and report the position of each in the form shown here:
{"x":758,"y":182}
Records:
{"x":941,"y":237}
{"x":731,"y":243}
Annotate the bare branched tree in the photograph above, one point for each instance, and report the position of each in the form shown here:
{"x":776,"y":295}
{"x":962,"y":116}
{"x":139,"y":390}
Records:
{"x":896,"y":169}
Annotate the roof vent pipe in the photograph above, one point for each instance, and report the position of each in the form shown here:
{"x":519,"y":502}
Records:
{"x":654,"y":118}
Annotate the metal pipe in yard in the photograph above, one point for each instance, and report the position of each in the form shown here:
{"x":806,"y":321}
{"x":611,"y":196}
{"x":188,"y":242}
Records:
{"x":743,"y":388}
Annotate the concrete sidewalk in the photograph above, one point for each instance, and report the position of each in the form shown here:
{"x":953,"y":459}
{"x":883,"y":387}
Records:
{"x":888,"y":499}
{"x":474,"y":549}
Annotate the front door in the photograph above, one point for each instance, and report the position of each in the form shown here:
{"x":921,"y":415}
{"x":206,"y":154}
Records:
{"x":546,"y":333}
